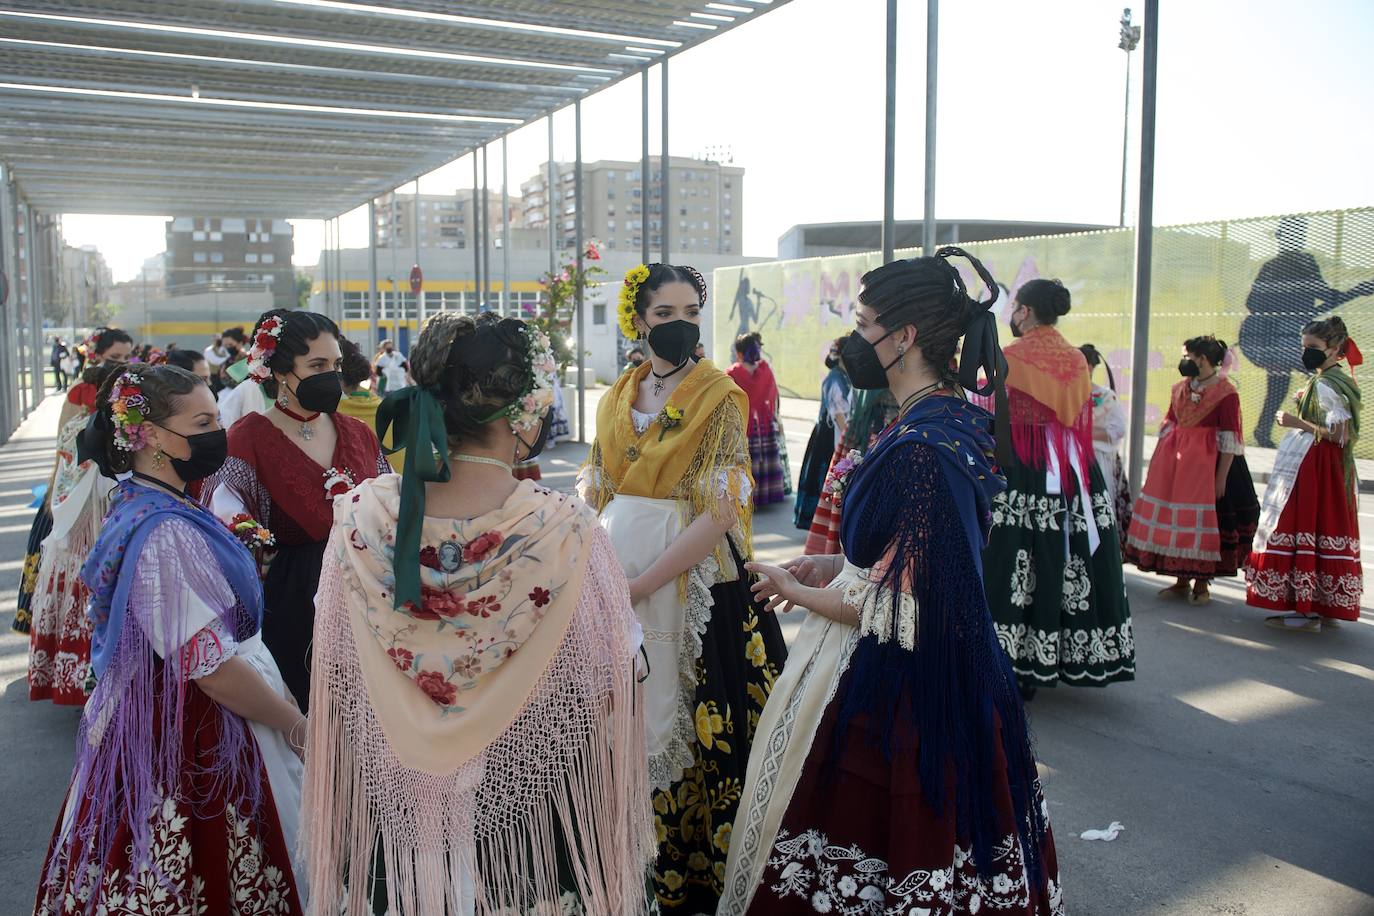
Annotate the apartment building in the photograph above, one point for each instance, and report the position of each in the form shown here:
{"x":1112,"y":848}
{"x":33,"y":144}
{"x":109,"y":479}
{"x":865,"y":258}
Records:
{"x":231,"y":254}
{"x":705,"y":211}
{"x":444,"y":219}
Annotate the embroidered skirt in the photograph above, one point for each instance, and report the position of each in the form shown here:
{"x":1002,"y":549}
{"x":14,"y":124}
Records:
{"x":42,"y":526}
{"x":207,"y":856}
{"x":766,"y":462}
{"x":1307,"y":556}
{"x":60,"y":634}
{"x":815,"y":466}
{"x":1059,"y":606}
{"x":1179,"y":527}
{"x":713,"y":660}
{"x":827,"y":828}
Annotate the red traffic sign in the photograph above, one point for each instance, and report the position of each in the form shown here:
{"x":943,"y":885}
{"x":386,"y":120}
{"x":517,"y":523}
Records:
{"x":417,"y":279}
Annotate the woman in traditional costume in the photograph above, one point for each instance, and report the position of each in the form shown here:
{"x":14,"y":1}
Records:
{"x":1197,"y":513}
{"x":1053,"y":561}
{"x":105,"y":344}
{"x":477,"y":734}
{"x":870,"y":413}
{"x":893,"y":771}
{"x":1109,"y":429}
{"x":754,"y":376}
{"x":1306,"y":559}
{"x":830,"y":428}
{"x":286,"y":466}
{"x":669,"y":473}
{"x":186,"y":790}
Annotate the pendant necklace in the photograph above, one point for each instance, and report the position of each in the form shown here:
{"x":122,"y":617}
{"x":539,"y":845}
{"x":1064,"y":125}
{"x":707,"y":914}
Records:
{"x":660,"y":379}
{"x":482,"y":459}
{"x":306,"y":430}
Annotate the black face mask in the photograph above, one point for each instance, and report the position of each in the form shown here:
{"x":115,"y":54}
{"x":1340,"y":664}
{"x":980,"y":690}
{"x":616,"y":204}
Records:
{"x":1188,"y":369}
{"x":541,"y":438}
{"x":208,"y":452}
{"x":674,"y":341}
{"x":320,"y":393}
{"x":1015,"y":327}
{"x":1312,"y":358}
{"x":832,"y":361}
{"x":866,"y":370}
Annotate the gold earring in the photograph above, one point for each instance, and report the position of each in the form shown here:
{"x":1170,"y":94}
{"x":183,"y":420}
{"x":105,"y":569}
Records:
{"x":901,"y":358}
{"x":157,"y":459}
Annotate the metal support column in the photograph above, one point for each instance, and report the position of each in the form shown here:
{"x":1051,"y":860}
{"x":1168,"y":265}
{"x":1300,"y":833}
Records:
{"x":35,"y":316}
{"x":19,"y":294}
{"x":1144,"y":248}
{"x":890,"y":137}
{"x":486,"y":228}
{"x":324,"y":268}
{"x":505,"y":232}
{"x":932,"y":75}
{"x":550,"y":201}
{"x":338,"y":261}
{"x":420,"y":296}
{"x":644,"y":184}
{"x":665,"y":168}
{"x":9,"y":406}
{"x":394,"y":239}
{"x":475,"y":239}
{"x":580,"y":287}
{"x":373,"y":307}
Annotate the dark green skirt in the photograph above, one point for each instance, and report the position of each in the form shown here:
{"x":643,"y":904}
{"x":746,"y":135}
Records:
{"x":1061,"y":610}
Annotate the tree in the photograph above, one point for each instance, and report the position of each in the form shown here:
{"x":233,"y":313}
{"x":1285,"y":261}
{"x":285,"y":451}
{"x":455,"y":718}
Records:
{"x":303,"y":285}
{"x":102,"y":313}
{"x":560,"y":300}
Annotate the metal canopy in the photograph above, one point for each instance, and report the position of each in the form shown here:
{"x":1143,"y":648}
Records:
{"x":299,"y":108}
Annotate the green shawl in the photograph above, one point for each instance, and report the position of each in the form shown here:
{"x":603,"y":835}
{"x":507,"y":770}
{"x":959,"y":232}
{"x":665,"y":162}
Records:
{"x":1310,"y":409}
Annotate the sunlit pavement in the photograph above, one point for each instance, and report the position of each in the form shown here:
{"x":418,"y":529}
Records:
{"x":1241,"y":760}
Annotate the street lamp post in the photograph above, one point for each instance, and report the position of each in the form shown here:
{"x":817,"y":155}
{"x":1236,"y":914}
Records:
{"x":1130,"y":37}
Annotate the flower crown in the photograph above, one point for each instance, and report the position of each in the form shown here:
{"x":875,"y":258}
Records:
{"x":527,"y":411}
{"x":264,"y":345}
{"x":127,"y":405}
{"x":625,"y":313}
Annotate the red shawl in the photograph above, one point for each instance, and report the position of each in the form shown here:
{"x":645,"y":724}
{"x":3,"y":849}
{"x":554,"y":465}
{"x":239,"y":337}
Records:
{"x":762,"y":390}
{"x":267,"y":467}
{"x":1049,"y":388}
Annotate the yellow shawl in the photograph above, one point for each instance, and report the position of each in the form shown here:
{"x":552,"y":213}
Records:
{"x":679,"y":460}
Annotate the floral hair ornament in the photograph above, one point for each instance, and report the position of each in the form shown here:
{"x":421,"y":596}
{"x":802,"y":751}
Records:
{"x":527,"y":411}
{"x":264,"y":345}
{"x":634,"y":279}
{"x":127,"y":410}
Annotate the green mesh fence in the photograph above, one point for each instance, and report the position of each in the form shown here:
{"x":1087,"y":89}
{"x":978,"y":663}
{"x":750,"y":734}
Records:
{"x":1252,"y":282}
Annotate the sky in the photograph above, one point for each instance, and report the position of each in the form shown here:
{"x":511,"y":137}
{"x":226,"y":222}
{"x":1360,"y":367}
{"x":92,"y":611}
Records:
{"x":1263,"y":108}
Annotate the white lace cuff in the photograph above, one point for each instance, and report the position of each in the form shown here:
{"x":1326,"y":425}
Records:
{"x":207,"y":650}
{"x":1228,"y":443}
{"x":874,"y":604}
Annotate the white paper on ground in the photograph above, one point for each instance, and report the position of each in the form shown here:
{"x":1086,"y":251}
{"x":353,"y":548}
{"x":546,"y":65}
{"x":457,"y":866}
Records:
{"x":1107,"y":834}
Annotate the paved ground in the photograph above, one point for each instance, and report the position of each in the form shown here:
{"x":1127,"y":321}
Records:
{"x":1240,"y":762}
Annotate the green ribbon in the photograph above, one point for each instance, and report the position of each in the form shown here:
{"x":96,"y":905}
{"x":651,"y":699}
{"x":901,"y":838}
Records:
{"x":416,"y":419}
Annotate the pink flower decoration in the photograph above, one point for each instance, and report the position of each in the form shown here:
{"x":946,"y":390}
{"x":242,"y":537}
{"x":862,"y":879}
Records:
{"x":437,"y":687}
{"x":482,"y":546}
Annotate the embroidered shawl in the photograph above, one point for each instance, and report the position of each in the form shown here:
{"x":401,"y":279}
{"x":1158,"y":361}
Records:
{"x":131,"y":733}
{"x":474,"y":732}
{"x":917,"y":513}
{"x":762,"y":390}
{"x":1187,"y":413}
{"x":661,"y":463}
{"x":1049,"y":395}
{"x":1309,"y":408}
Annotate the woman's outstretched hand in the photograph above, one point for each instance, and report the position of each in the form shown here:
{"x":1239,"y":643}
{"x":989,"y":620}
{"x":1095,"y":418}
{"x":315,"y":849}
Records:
{"x":775,"y":585}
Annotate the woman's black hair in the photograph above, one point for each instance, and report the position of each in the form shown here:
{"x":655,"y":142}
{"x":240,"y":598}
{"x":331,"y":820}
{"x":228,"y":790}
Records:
{"x":1048,"y":299}
{"x":1330,"y":330}
{"x":163,"y":388}
{"x":1094,"y":358}
{"x":745,"y":341}
{"x":185,"y":359}
{"x":356,"y":369}
{"x":236,"y":334}
{"x":660,"y":274}
{"x":474,"y":367}
{"x":298,"y":329}
{"x":1208,"y":346}
{"x":102,"y":340}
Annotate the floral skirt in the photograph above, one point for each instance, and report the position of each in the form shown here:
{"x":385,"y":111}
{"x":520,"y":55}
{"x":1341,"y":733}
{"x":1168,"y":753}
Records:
{"x":770,"y":484}
{"x":42,"y":526}
{"x":207,"y":857}
{"x":60,"y":636}
{"x":1060,"y":608}
{"x":742,"y":654}
{"x":1310,"y":562}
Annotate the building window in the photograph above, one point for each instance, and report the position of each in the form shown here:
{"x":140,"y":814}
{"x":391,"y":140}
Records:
{"x":216,"y":236}
{"x":610,"y":174}
{"x":198,"y":257}
{"x":216,"y":257}
{"x":610,"y":225}
{"x":198,"y":235}
{"x":599,"y":313}
{"x":201,"y":278}
{"x":251,"y":278}
{"x":610,"y":193}
{"x":250,"y":258}
{"x":216,"y":278}
{"x":269,"y":278}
